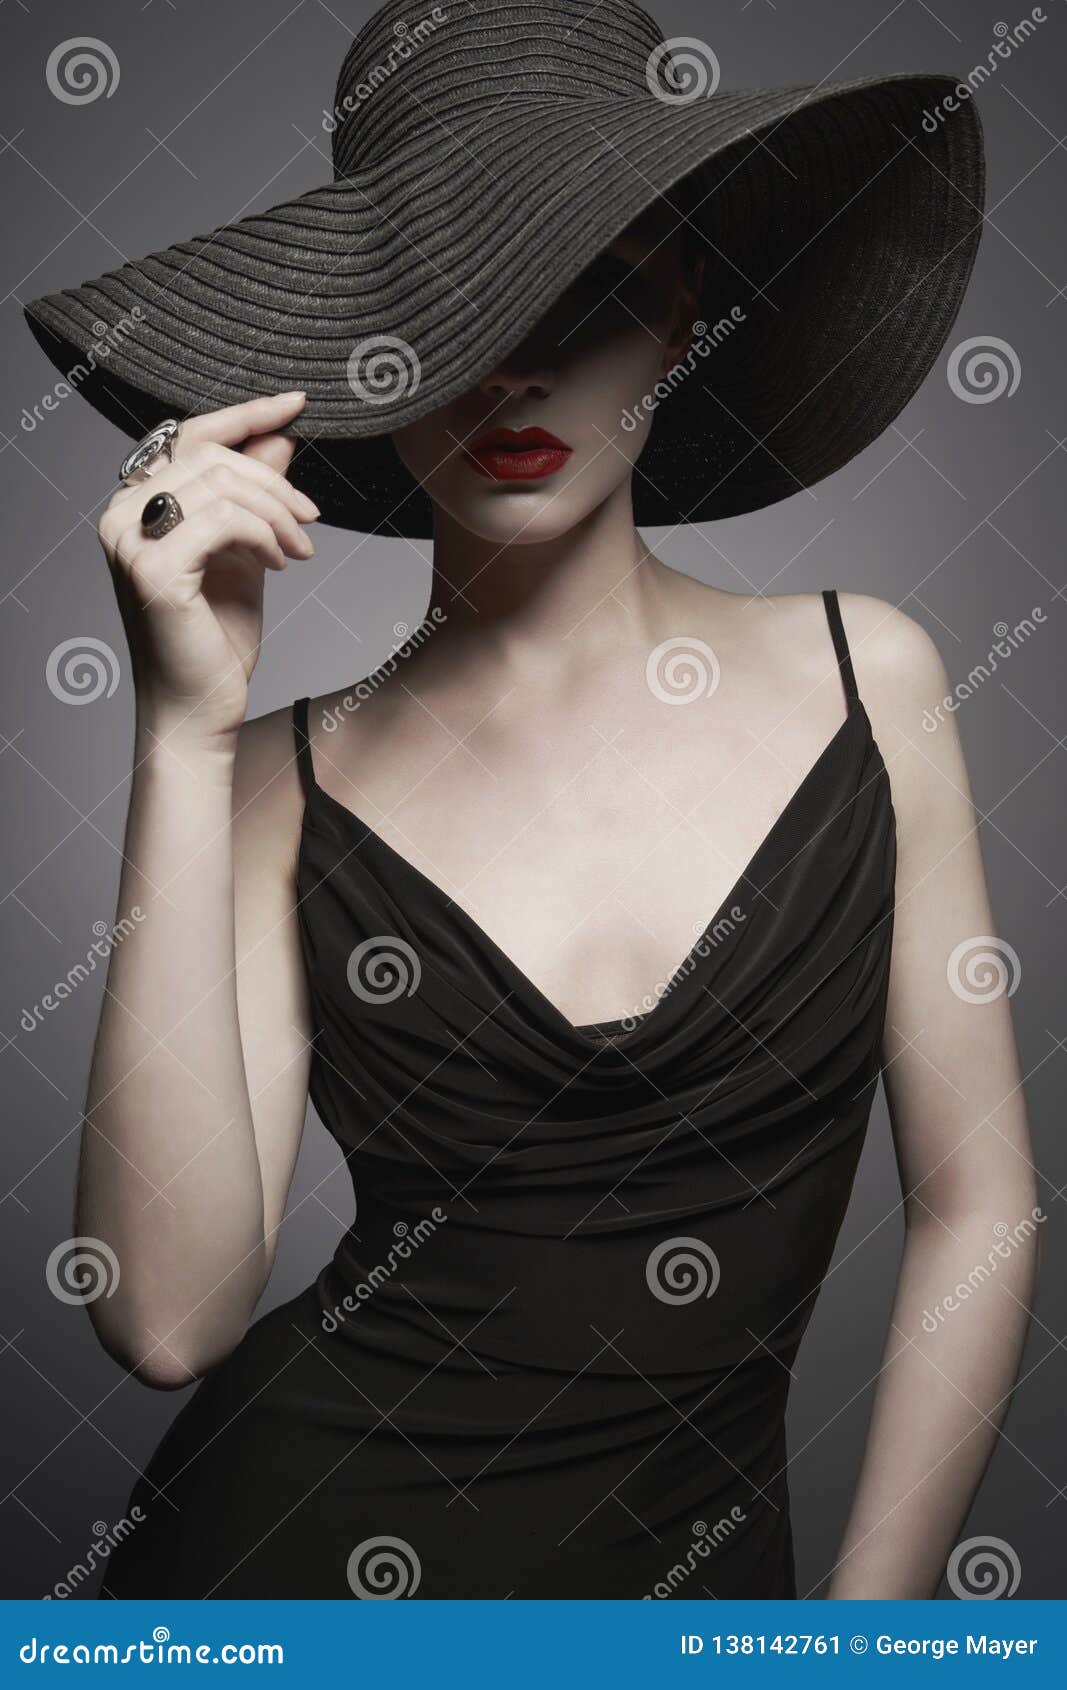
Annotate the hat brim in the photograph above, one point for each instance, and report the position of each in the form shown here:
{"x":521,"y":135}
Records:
{"x":847,"y":224}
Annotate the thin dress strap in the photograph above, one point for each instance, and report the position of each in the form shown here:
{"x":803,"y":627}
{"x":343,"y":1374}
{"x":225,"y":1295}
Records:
{"x":844,"y":656}
{"x":303,"y":744}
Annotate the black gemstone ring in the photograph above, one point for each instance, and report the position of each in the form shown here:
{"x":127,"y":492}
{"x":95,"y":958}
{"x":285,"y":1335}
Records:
{"x":161,"y":514}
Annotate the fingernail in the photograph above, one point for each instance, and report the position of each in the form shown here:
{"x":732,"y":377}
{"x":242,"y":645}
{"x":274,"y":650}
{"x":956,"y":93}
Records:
{"x":309,"y":505}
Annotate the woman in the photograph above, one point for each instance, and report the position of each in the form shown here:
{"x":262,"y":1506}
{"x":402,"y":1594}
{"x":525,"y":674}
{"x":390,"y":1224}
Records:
{"x":598,"y":1186}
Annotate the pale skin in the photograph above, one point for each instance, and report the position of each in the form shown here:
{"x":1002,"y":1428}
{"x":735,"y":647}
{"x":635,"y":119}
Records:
{"x":520,"y":759}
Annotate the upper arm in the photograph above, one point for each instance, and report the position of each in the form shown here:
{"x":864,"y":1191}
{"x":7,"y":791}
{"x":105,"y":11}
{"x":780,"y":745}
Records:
{"x":950,"y":1063}
{"x":272,"y":994}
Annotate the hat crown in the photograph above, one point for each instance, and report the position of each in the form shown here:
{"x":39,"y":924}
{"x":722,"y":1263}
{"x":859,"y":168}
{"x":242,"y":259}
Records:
{"x":415,"y":66}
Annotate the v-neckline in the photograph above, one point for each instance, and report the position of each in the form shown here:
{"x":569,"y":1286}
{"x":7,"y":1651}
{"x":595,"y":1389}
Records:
{"x":523,"y":984}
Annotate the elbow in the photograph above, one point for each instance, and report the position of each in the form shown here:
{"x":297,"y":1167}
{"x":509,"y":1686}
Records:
{"x":160,"y":1372}
{"x":161,"y":1367}
{"x":148,"y":1363}
{"x":166,"y":1370}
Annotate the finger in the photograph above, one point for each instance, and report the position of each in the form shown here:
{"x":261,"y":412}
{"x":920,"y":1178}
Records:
{"x":220,"y":486}
{"x":273,"y":450}
{"x":235,"y":423}
{"x":191,"y":466}
{"x":254,"y":462}
{"x":218,"y":527}
{"x":223,"y":481}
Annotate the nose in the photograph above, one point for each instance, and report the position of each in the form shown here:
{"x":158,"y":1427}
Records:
{"x":522,"y":374}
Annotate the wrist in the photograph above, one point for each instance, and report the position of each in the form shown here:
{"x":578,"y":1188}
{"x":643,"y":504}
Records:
{"x":209,"y":724}
{"x":182,"y":750}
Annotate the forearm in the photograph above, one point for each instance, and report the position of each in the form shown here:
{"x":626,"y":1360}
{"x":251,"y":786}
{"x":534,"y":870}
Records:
{"x":170,"y":1178}
{"x":949,"y":1366}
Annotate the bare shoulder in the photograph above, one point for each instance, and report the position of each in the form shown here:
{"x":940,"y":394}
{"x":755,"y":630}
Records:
{"x":900,"y":674}
{"x":898,"y":666}
{"x":894,"y":657}
{"x":373,"y":740}
{"x":904,"y":685}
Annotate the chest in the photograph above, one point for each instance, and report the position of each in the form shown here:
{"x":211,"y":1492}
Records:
{"x":594,"y":850}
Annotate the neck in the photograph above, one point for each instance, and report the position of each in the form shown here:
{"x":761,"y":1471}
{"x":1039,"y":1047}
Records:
{"x":519,"y":600}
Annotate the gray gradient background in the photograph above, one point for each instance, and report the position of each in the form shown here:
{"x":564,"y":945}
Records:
{"x":954,"y":514}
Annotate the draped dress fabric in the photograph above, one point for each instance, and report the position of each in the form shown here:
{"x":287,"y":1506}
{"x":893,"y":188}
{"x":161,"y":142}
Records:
{"x":551,"y":1356}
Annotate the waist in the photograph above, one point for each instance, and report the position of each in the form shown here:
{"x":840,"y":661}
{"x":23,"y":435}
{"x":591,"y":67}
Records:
{"x":671,"y":1295}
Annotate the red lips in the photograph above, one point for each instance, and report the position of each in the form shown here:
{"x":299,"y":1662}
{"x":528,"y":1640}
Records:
{"x":509,"y":454}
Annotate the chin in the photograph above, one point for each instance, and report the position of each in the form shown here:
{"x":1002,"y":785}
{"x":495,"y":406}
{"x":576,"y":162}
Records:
{"x":522,"y":520}
{"x":526,"y":516}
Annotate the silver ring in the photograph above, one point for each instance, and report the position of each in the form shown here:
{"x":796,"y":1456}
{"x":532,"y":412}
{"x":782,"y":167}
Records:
{"x":160,"y":515}
{"x":145,"y":458}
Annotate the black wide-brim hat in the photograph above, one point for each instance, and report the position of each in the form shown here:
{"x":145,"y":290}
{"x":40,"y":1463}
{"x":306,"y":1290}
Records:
{"x":483,"y":156}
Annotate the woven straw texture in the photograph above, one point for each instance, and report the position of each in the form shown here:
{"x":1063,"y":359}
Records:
{"x":473,"y":184}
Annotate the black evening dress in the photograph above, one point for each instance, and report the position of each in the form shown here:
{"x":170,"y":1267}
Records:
{"x":552,"y":1355}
